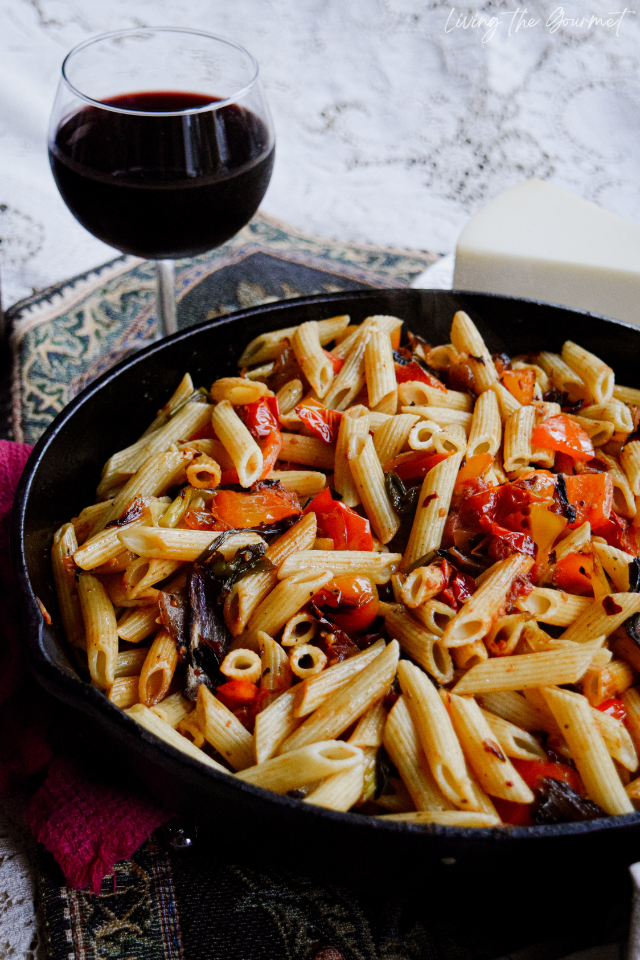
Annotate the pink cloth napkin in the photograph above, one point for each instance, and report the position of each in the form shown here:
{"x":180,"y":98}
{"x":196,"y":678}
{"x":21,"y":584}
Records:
{"x":86,"y":825}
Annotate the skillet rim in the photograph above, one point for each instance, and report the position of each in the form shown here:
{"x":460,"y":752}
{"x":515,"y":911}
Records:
{"x":82,"y":696}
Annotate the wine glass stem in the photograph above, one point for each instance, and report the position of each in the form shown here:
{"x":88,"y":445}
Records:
{"x":166,"y":298}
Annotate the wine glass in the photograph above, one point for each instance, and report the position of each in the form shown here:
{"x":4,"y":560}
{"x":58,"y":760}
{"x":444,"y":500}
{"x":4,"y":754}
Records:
{"x":161,"y":144}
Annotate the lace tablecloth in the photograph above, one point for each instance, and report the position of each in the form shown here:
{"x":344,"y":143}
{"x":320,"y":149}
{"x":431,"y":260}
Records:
{"x":396,"y":120}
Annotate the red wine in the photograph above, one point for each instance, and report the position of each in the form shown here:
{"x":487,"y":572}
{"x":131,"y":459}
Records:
{"x":162,"y":187}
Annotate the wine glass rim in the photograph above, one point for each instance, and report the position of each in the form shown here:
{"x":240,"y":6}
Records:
{"x":214,"y":105}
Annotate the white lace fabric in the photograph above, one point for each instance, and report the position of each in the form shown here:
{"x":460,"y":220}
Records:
{"x":395,"y":122}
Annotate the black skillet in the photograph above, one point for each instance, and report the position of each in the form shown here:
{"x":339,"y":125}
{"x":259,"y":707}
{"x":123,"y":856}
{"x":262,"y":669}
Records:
{"x":60,"y":478}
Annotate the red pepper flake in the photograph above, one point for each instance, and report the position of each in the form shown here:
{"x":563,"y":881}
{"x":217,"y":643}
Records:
{"x":43,"y":610}
{"x":427,"y":500}
{"x":492,"y":747}
{"x":610,"y":606}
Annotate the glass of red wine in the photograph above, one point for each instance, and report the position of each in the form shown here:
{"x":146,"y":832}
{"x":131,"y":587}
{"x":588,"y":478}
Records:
{"x":161,"y":145}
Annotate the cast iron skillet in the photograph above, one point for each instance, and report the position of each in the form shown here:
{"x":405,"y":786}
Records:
{"x":60,"y":479}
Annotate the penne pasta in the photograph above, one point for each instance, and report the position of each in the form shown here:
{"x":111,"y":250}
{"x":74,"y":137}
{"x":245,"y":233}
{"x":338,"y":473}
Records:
{"x":246,"y":615}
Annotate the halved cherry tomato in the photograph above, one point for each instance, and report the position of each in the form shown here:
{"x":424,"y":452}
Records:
{"x":473,"y":467}
{"x":336,"y":362}
{"x":201,"y":520}
{"x":517,"y":814}
{"x":573,"y":573}
{"x":322,"y":422}
{"x":352,"y":602}
{"x":262,"y":417}
{"x":520,"y":384}
{"x":592,"y":496}
{"x":618,"y":532}
{"x":413,"y":371}
{"x":337,"y":521}
{"x":459,"y":589}
{"x":266,"y":505}
{"x":237,"y":693}
{"x":561,"y":433}
{"x":532,"y":771}
{"x":614,"y":708}
{"x":508,"y":542}
{"x":413,"y":465}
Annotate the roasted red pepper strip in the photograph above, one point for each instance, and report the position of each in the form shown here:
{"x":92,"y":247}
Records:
{"x":473,"y":468}
{"x":262,"y":417}
{"x":338,"y":522}
{"x":615,"y":708}
{"x":592,"y":496}
{"x":520,"y":384}
{"x":268,"y":505}
{"x":413,"y":465}
{"x":573,"y":574}
{"x":413,"y":371}
{"x":271,"y":447}
{"x":237,"y":693}
{"x":565,"y":435}
{"x":351,"y":602}
{"x":322,"y":422}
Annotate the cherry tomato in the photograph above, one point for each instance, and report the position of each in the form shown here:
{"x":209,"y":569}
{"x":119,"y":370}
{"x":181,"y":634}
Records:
{"x":508,"y":542}
{"x":614,"y":708}
{"x":237,"y":693}
{"x":517,"y":814}
{"x":413,"y":465}
{"x":337,"y":521}
{"x":322,"y":422}
{"x":266,"y":505}
{"x":351,"y":602}
{"x":262,"y":417}
{"x":618,"y":532}
{"x":459,"y":588}
{"x":520,"y":384}
{"x":532,"y":771}
{"x":561,"y":433}
{"x":201,"y":520}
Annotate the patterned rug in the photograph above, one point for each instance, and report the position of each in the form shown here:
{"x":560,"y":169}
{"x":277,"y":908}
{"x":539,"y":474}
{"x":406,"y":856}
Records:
{"x":172,"y":904}
{"x":67,"y":335}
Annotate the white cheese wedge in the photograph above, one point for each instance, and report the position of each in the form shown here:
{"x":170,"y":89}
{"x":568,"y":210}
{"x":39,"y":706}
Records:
{"x":538,"y":241}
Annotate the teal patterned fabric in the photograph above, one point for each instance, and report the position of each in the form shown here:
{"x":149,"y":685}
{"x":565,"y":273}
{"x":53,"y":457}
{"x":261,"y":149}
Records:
{"x":66,"y":336}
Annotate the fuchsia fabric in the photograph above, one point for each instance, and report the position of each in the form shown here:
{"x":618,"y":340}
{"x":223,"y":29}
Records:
{"x":87,"y":826}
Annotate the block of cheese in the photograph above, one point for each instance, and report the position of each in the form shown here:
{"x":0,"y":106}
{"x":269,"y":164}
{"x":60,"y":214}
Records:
{"x":538,"y":241}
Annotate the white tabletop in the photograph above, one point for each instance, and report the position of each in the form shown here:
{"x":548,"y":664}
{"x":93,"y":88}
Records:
{"x":394,"y":121}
